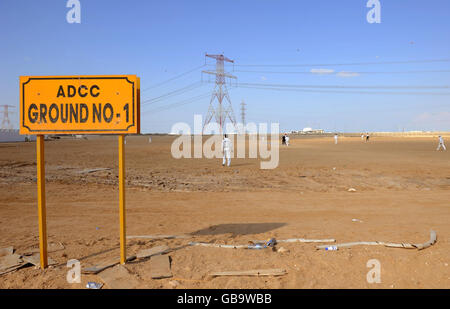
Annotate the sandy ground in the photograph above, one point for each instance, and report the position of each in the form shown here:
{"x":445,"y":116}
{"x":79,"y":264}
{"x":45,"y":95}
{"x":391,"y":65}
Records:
{"x":402,"y":192}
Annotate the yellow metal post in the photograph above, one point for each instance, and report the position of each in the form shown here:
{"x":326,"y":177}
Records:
{"x":123,"y":254}
{"x":41,"y":200}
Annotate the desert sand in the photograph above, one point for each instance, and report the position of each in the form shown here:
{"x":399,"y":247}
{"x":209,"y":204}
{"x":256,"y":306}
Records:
{"x":402,"y":192}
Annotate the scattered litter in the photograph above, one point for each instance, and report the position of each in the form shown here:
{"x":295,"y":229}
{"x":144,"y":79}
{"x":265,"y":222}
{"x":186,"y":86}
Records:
{"x":356,"y":220}
{"x":104,"y":265}
{"x":174,"y":283}
{"x":6,"y":251}
{"x":193,"y":243}
{"x":52,"y":247}
{"x":282,"y":250}
{"x":152,"y":251}
{"x":305,"y":240}
{"x":429,"y":243}
{"x":35,"y":259}
{"x":189,"y":280}
{"x":260,"y":272}
{"x":94,"y":285}
{"x":159,"y":236}
{"x":93,"y":170}
{"x":331,"y":248}
{"x":10,"y":269}
{"x":270,"y":243}
{"x":160,"y":267}
{"x":351,"y":190}
{"x":261,"y":244}
{"x":118,"y":277}
{"x":9,"y":263}
{"x":256,"y":246}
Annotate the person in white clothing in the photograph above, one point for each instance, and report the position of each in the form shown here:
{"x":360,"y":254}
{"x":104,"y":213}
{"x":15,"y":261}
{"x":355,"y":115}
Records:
{"x":335,"y":139}
{"x":286,"y":139}
{"x":441,"y":143}
{"x":226,"y":149}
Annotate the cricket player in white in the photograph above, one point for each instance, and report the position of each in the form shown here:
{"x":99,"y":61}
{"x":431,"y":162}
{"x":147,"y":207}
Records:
{"x":335,"y":139}
{"x":226,"y":149}
{"x":287,"y":140}
{"x":441,"y":143}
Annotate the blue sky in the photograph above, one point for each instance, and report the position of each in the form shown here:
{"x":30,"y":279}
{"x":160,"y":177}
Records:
{"x":161,"y":39}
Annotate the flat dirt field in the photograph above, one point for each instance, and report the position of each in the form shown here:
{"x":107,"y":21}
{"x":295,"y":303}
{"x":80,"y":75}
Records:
{"x":402,"y":192}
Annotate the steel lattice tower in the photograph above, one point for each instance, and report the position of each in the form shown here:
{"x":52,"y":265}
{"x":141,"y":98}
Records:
{"x":221,"y":112}
{"x":6,"y":123}
{"x":243,"y":116}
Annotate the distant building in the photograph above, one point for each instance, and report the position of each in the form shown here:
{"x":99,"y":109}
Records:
{"x":14,"y":136}
{"x":311,"y":131}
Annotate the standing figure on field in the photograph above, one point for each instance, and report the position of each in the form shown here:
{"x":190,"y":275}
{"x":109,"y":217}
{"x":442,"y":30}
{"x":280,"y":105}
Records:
{"x":367,"y":137}
{"x":226,"y":149}
{"x":441,"y":143}
{"x":286,"y":139}
{"x":335,"y":138}
{"x":362,"y":137}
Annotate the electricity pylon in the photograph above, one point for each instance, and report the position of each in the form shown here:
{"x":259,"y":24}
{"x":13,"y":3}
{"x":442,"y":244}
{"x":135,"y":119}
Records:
{"x":243,"y":116}
{"x":6,"y":122}
{"x":221,"y":112}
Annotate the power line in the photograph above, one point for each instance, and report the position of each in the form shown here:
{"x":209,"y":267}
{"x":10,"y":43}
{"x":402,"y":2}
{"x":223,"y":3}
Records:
{"x":339,"y":64}
{"x":342,"y":86}
{"x":180,"y":103}
{"x":173,"y":93}
{"x":173,"y":78}
{"x":346,"y":92}
{"x":334,"y":72}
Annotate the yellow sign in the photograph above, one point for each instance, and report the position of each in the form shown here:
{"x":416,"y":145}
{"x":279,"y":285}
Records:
{"x":105,"y":104}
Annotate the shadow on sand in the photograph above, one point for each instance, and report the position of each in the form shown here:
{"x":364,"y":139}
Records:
{"x":239,"y":229}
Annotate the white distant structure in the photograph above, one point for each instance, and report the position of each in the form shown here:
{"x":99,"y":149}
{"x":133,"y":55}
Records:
{"x":309,"y":130}
{"x":14,"y":136}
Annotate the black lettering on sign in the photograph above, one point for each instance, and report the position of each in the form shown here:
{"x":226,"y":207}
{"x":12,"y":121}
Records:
{"x":64,"y":118}
{"x":83,"y":107}
{"x":73,"y":113}
{"x":33,"y":116}
{"x":111,"y":112}
{"x":71,"y":91}
{"x":53,"y":107}
{"x":126,"y":108}
{"x":97,"y":93}
{"x":80,"y":93}
{"x":97,"y":112}
{"x":43,"y":113}
{"x":60,"y":92}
